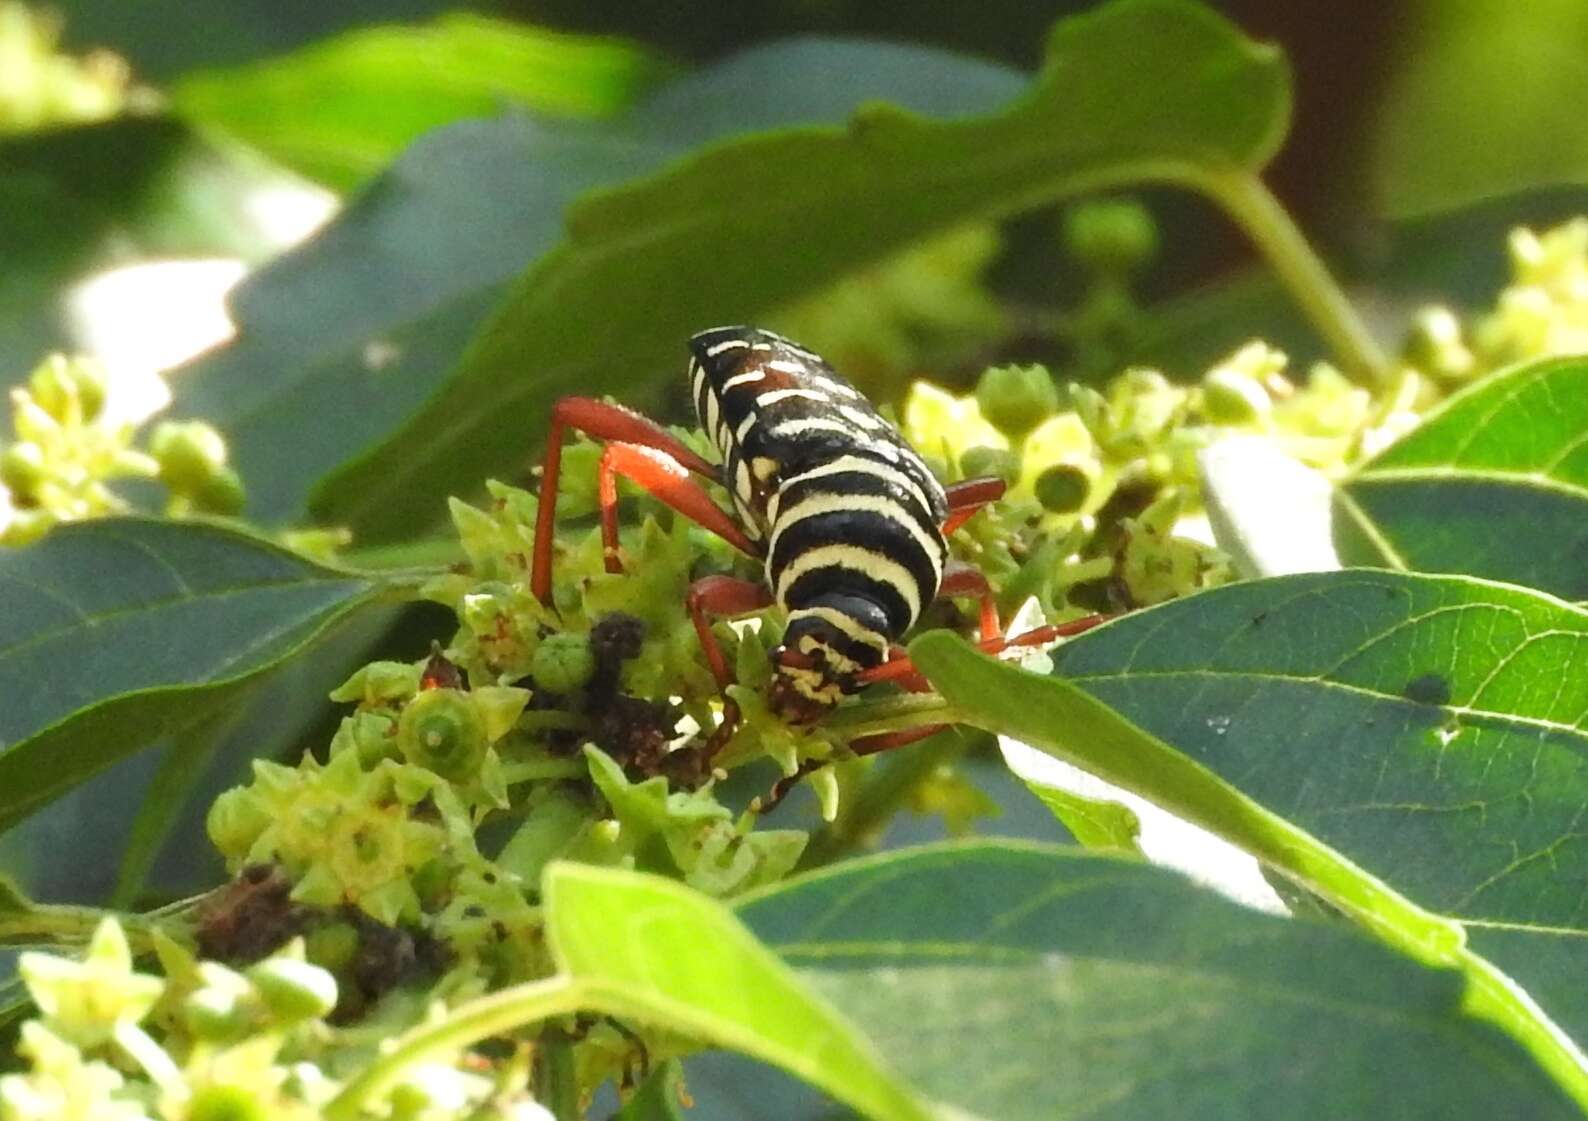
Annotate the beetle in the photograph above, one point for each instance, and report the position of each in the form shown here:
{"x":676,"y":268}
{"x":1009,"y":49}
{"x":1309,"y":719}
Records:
{"x":849,"y":522}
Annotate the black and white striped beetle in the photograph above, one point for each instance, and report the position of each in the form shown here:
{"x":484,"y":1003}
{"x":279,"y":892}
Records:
{"x":850,"y":522}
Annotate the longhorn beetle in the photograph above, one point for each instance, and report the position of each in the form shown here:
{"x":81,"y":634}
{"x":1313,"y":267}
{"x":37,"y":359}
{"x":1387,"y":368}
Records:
{"x":849,"y":521}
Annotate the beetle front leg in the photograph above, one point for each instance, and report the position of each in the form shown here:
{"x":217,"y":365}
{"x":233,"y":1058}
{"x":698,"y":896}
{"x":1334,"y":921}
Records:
{"x":599,"y":420}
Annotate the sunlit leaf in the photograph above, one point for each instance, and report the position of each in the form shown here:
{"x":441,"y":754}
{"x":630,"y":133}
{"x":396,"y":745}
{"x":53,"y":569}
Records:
{"x":1494,"y":483}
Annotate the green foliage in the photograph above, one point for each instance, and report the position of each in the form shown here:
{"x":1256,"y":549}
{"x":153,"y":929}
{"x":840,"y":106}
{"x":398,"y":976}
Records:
{"x":1013,"y":981}
{"x":887,"y":179}
{"x":340,"y":110}
{"x":152,"y":627}
{"x":1493,"y":484}
{"x":536,"y":859}
{"x":1478,"y":105}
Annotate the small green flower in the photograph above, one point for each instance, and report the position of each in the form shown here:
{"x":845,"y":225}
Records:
{"x":86,"y":1001}
{"x":63,"y":1086}
{"x":443,"y":730}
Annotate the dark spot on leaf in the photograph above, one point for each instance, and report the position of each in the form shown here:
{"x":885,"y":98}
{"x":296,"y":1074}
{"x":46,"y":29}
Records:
{"x":1429,"y":689}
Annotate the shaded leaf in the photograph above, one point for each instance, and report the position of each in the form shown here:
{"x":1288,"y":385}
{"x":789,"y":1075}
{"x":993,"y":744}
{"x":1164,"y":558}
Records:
{"x":1403,"y":745}
{"x":656,"y":1099}
{"x":1493,"y":483}
{"x":343,"y":340}
{"x":12,"y":898}
{"x":1021,"y":981}
{"x":180,"y":773}
{"x":341,"y":109}
{"x":119,"y":632}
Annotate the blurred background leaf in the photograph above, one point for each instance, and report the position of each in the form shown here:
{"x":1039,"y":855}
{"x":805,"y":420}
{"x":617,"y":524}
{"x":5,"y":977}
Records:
{"x":1482,"y":98}
{"x":340,"y":110}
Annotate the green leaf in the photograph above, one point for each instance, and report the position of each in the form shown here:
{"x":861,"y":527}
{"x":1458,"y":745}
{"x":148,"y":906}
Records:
{"x":677,"y":955}
{"x":1095,"y":822}
{"x":180,"y":774}
{"x":1481,"y":102}
{"x":1412,"y":748}
{"x":656,"y":1099}
{"x":1019,"y":981}
{"x":341,"y":109}
{"x":1494,"y":483}
{"x":1138,"y":90}
{"x":120,"y":632}
{"x":12,"y":899}
{"x":328,"y":363}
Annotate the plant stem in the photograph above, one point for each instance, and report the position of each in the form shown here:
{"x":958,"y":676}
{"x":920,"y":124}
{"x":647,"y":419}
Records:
{"x":496,"y":1014}
{"x":557,"y":1080}
{"x":1255,"y":209}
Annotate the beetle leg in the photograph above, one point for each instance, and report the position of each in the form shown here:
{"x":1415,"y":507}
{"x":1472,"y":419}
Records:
{"x":715,"y":596}
{"x":963,"y":580}
{"x":902,"y":669}
{"x":599,"y":420}
{"x":969,"y":495}
{"x":666,"y":479}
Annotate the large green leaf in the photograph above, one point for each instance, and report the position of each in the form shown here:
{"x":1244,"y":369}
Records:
{"x":344,"y":339}
{"x":1019,"y":981}
{"x":1494,"y":483}
{"x":342,"y":108}
{"x":1158,"y":89}
{"x":117,"y":633}
{"x":1411,"y":747}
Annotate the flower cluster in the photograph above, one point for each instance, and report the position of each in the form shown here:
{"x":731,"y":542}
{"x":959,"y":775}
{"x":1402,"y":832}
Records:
{"x":39,"y":86}
{"x":67,"y":453}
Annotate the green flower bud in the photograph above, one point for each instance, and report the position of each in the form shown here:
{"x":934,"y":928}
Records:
{"x":1232,"y":398}
{"x":190,"y":455}
{"x":372,"y":736}
{"x":1062,"y":489}
{"x":226,"y":1103}
{"x":442,"y":731}
{"x":1015,"y":399}
{"x":563,"y":662}
{"x":997,"y":462}
{"x":1110,"y":235}
{"x":222,"y":493}
{"x":219,"y":1012}
{"x":22,"y":470}
{"x":332,"y":947}
{"x":68,"y":389}
{"x":1435,"y":345}
{"x":293,"y":990}
{"x":432,"y":883}
{"x":236,"y":819}
{"x":26,"y":527}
